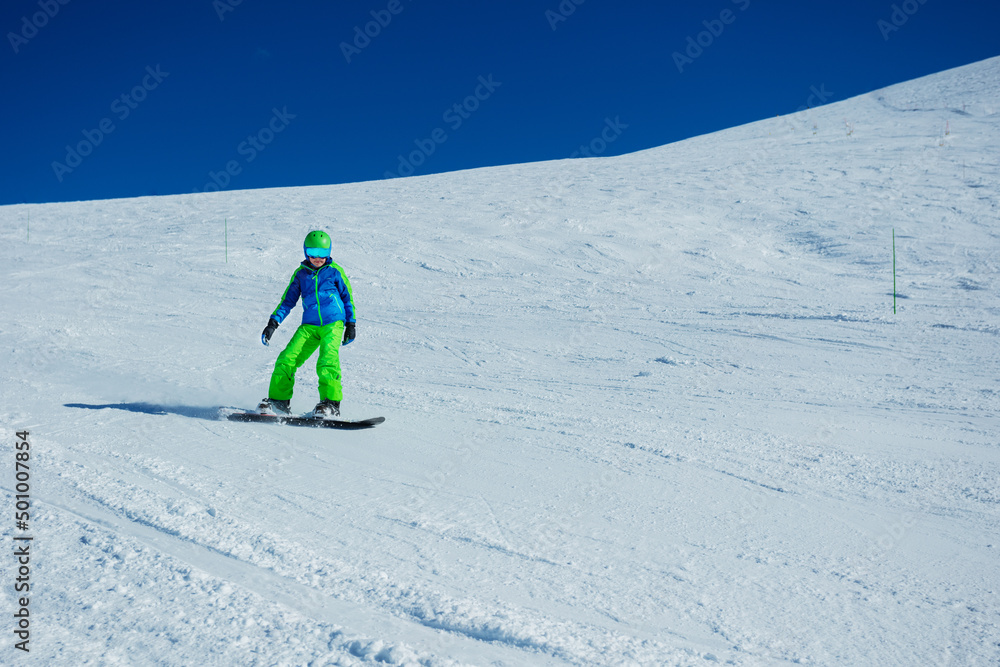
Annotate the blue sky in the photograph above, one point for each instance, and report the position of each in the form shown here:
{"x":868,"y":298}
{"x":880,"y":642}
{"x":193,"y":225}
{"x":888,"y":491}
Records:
{"x":121,"y":99}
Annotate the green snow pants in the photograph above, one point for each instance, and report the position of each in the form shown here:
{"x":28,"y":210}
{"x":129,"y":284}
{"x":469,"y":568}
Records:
{"x":304,"y":342}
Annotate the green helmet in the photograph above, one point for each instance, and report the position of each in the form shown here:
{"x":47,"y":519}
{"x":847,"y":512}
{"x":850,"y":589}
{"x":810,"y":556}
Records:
{"x":317,"y":244}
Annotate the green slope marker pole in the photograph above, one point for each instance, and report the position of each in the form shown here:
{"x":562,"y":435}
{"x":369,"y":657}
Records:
{"x":894,"y":271}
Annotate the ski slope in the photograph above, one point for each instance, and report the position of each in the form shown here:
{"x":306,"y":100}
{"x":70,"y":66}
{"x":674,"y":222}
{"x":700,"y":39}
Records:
{"x":654,"y":409}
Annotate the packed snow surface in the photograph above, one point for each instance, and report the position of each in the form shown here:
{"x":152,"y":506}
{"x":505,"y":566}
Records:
{"x":650,"y":409}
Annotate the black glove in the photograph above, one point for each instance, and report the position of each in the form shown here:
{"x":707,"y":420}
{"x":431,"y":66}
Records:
{"x":272,"y":324}
{"x":349,"y":332}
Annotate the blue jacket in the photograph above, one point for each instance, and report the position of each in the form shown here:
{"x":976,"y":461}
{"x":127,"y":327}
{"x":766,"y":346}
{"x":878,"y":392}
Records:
{"x":326,"y":295}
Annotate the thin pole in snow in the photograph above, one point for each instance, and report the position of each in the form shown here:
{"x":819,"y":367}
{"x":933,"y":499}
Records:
{"x":227,"y":240}
{"x":894,"y":271}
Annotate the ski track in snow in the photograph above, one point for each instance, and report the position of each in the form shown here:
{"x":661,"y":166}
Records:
{"x":650,"y":409}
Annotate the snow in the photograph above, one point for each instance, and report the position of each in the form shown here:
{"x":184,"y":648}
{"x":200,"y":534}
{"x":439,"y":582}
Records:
{"x":649,"y":409}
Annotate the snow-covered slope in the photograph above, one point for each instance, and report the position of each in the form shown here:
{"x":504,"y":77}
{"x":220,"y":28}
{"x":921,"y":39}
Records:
{"x":652,"y":409}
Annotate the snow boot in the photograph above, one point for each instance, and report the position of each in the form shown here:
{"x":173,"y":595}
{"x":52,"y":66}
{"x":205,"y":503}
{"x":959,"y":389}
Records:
{"x":327,"y":410}
{"x":273,"y":406}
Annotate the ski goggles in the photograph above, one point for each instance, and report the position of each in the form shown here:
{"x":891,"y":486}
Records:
{"x":317,"y":252}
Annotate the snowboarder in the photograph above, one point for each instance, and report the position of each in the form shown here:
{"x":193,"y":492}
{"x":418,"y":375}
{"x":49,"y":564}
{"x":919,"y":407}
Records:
{"x":327,"y":322}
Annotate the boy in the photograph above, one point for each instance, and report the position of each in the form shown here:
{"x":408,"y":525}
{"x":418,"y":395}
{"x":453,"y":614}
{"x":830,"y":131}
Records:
{"x":327,"y":321}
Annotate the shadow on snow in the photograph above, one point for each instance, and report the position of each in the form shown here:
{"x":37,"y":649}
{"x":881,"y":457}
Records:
{"x":195,"y":412}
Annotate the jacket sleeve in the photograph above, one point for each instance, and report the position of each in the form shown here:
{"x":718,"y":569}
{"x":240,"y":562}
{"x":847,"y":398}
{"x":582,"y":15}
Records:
{"x":346,"y":295}
{"x":289,"y":298}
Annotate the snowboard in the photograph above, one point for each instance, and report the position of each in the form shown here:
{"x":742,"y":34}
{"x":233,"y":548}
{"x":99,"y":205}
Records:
{"x":305,"y":420}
